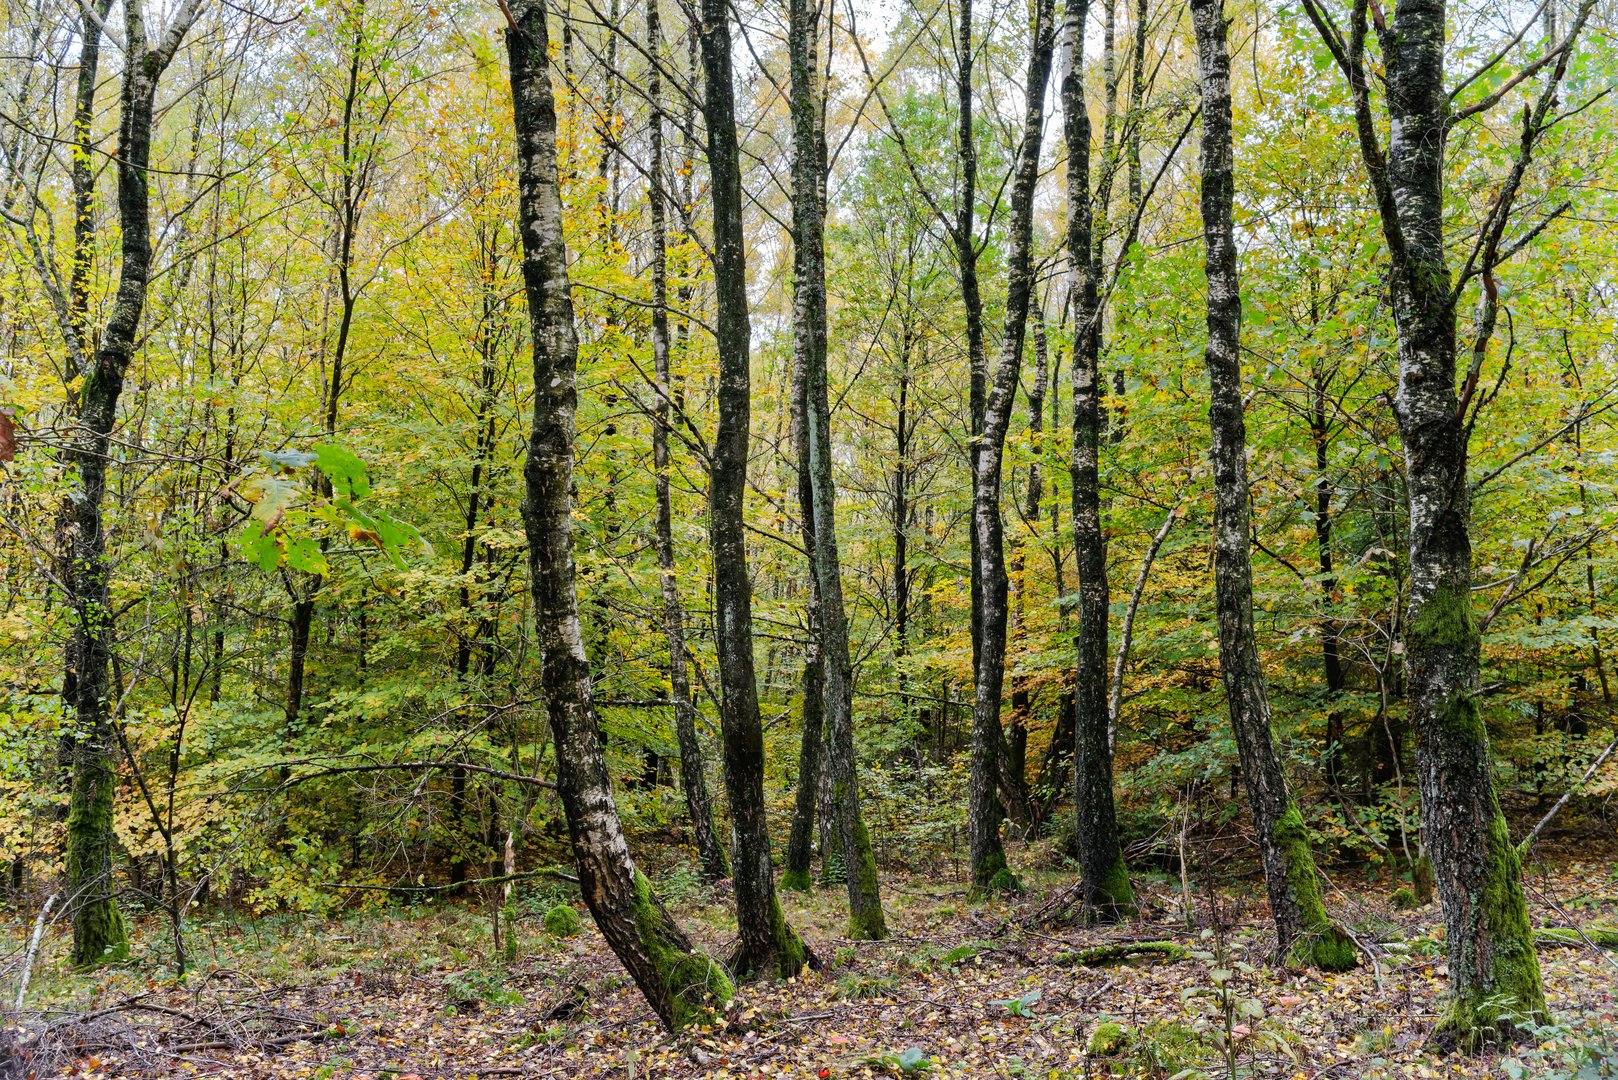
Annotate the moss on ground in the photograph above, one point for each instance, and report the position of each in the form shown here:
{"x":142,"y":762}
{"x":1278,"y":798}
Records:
{"x":562,"y":921}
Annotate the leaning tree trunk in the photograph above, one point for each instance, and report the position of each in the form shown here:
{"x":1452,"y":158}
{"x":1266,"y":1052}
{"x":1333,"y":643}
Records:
{"x":679,"y":983}
{"x":1107,"y":892}
{"x":1303,"y":932}
{"x":765,"y":944}
{"x":865,"y":919}
{"x":692,"y":777}
{"x":989,"y":871}
{"x":99,"y":934}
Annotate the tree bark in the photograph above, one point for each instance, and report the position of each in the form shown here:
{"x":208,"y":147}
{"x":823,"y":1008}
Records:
{"x":678,"y":982}
{"x":865,"y":919}
{"x":766,"y":943}
{"x":99,"y":934}
{"x":1107,"y":892}
{"x":1303,"y":932}
{"x":710,"y":851}
{"x":990,"y":873}
{"x":1493,"y":966}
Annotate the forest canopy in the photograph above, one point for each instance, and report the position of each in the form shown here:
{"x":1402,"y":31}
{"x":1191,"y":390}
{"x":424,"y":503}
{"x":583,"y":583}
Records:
{"x":1079,"y":453}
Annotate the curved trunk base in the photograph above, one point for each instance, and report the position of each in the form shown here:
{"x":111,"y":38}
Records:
{"x":1317,"y":942}
{"x":784,"y":956}
{"x":694,"y":984}
{"x":991,"y":877}
{"x":1111,"y":898}
{"x":798,"y":881}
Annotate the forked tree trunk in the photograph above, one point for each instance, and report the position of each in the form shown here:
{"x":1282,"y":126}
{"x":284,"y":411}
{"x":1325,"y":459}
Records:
{"x":865,"y":919}
{"x":679,"y":983}
{"x":766,"y":944}
{"x":1304,"y":934}
{"x":99,"y":934}
{"x":989,"y":870}
{"x":692,"y":776}
{"x":1107,"y":892}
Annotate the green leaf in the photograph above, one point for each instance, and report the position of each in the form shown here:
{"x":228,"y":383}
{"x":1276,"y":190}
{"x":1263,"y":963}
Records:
{"x":303,"y":553}
{"x":260,"y":547}
{"x":914,"y":1060}
{"x":344,"y":469}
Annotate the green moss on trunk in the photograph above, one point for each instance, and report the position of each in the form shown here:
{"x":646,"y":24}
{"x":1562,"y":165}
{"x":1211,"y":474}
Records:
{"x":991,"y":877}
{"x":798,"y":881}
{"x":1443,"y":622}
{"x":99,"y":933}
{"x":695,"y":983}
{"x":791,"y":954}
{"x":1322,"y":943}
{"x":1113,"y":896}
{"x":867,"y":924}
{"x":1493,"y":1008}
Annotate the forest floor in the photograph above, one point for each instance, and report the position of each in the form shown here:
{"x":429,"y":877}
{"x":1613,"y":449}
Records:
{"x":958,"y":990}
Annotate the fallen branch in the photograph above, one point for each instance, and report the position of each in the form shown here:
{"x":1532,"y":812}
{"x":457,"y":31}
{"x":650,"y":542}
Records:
{"x":1528,"y":842}
{"x":259,"y":1044}
{"x":33,"y":950}
{"x":1106,"y":955}
{"x":498,"y":880}
{"x":1597,"y":937}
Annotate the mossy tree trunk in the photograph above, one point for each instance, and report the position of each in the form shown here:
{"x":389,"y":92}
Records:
{"x":1303,"y":932}
{"x":766,"y":944}
{"x":693,"y":777}
{"x":865,"y":918}
{"x":989,"y":871}
{"x":99,"y":933}
{"x":1493,"y":967}
{"x":679,"y":983}
{"x":1107,"y":892}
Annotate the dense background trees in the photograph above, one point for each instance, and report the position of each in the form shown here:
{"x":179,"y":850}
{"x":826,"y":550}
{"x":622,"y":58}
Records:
{"x":324,"y":661}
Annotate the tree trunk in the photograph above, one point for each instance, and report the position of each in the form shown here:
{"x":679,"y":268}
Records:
{"x":1107,"y":893}
{"x":766,"y":943}
{"x":989,"y":871}
{"x":865,"y":919}
{"x":983,"y":826}
{"x":1493,"y":966}
{"x":798,"y":874}
{"x":1330,"y":648}
{"x":692,"y":776}
{"x":678,"y":982}
{"x":1303,"y":932}
{"x":99,"y":934}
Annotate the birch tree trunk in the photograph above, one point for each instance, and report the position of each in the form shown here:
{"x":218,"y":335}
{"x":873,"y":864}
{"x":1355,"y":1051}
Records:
{"x":990,"y":873}
{"x":865,"y":919}
{"x":1107,"y":892}
{"x":99,"y":934}
{"x":679,"y":983}
{"x":766,"y":943}
{"x":692,"y":776}
{"x":984,"y":850}
{"x":1304,"y":934}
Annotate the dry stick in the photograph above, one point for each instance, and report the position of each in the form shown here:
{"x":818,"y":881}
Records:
{"x":1116,"y":697}
{"x":1528,"y":842}
{"x":33,"y":950}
